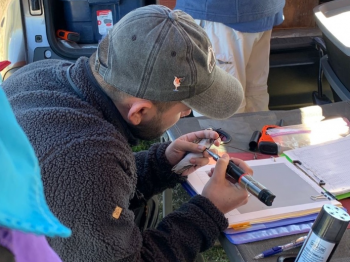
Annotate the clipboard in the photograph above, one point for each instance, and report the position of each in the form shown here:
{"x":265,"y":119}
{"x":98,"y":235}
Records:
{"x":268,"y":230}
{"x":282,"y":226}
{"x":263,"y":226}
{"x":326,"y":164}
{"x":292,"y":188}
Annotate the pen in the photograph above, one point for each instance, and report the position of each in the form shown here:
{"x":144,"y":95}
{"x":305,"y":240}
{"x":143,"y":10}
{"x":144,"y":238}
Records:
{"x":278,"y":249}
{"x":254,"y":187}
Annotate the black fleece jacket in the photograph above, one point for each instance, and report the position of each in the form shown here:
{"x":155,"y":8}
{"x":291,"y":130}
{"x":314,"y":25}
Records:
{"x":89,"y":169}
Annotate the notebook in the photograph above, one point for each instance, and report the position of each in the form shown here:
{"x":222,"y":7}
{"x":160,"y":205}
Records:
{"x":327,"y":162}
{"x":262,"y":231}
{"x":293,"y":189}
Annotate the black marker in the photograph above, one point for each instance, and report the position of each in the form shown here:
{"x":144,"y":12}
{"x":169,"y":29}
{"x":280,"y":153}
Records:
{"x":254,"y":187}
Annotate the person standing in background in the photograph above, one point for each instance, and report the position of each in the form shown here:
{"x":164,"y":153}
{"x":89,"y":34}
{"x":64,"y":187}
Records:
{"x":240,"y":32}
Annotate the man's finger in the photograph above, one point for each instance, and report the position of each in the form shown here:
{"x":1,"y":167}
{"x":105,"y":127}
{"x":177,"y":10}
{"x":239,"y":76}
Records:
{"x":243,"y":165}
{"x":199,"y":161}
{"x":201,"y":135}
{"x":220,"y":168}
{"x":185,"y":146}
{"x":214,"y":150}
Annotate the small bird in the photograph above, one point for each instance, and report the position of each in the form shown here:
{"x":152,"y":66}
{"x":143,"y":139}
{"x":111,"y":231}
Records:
{"x":177,"y":82}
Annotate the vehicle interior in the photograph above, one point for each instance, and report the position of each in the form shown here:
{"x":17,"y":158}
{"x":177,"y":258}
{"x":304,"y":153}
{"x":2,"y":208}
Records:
{"x":54,"y":21}
{"x":297,"y":45}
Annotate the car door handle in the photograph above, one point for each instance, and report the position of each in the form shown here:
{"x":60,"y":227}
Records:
{"x":35,"y":8}
{"x":35,"y":5}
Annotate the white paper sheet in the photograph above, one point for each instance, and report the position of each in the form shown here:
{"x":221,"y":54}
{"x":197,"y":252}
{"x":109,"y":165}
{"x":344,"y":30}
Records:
{"x":328,"y":161}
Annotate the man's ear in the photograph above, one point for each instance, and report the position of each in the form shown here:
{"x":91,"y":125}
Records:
{"x":140,"y":110}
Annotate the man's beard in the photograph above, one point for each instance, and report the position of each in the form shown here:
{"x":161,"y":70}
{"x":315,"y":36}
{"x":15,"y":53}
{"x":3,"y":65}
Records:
{"x":148,"y":131}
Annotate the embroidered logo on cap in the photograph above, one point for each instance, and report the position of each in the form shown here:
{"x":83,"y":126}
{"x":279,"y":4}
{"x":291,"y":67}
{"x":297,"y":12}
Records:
{"x":177,"y":82}
{"x":211,"y":60}
{"x":117,"y":211}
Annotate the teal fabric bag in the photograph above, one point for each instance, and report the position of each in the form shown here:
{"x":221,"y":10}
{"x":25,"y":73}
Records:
{"x":22,"y":201}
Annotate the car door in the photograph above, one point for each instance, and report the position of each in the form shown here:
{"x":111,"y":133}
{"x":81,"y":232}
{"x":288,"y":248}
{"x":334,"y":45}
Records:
{"x":12,"y":41}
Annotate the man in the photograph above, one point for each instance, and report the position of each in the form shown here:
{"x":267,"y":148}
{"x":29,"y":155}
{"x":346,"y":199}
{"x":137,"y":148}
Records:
{"x":240,"y":31}
{"x":82,"y":117}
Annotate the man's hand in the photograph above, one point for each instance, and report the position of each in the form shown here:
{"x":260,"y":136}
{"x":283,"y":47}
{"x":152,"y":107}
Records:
{"x":222,"y":193}
{"x":178,"y":148}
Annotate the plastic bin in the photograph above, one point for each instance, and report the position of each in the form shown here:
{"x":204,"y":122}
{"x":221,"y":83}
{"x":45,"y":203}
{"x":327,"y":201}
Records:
{"x":333,"y":19}
{"x":93,"y":18}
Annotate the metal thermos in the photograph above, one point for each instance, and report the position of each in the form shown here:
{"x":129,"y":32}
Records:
{"x":325,"y":235}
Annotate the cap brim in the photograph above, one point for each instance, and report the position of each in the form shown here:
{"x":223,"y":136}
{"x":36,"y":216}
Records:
{"x":221,"y":100}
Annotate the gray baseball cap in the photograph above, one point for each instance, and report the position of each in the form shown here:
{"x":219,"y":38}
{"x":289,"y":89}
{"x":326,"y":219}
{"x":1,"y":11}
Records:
{"x":160,"y":54}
